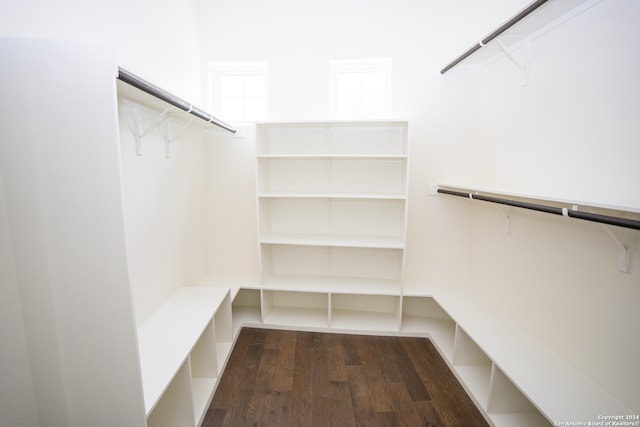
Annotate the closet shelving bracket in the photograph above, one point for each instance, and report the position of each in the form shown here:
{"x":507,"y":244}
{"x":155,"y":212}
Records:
{"x":522,"y":66}
{"x":163,"y":122}
{"x":624,"y":244}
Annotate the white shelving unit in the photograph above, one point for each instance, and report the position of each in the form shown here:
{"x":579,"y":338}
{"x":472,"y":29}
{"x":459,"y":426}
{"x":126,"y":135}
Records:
{"x":183,"y":348}
{"x":332,"y":207}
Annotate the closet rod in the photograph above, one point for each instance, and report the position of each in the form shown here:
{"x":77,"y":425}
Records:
{"x":604,"y":219}
{"x":145,"y":86}
{"x":504,"y":27}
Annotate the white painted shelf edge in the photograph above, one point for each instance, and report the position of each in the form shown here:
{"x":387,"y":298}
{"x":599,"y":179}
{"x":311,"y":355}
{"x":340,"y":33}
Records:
{"x":333,"y":285}
{"x":310,"y":195}
{"x":335,"y":156}
{"x":167,"y":337}
{"x":333,"y":240}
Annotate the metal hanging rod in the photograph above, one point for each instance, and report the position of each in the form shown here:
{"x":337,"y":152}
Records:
{"x":504,"y":27}
{"x":603,"y":219}
{"x":169,"y":98}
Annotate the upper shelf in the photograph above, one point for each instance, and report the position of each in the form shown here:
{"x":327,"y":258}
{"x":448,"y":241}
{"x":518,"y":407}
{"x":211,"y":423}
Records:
{"x":531,"y":22}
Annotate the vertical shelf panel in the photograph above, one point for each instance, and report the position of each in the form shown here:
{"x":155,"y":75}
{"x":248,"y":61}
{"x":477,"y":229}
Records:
{"x":246,"y":309}
{"x":424,"y":316}
{"x":175,"y":407}
{"x":304,"y":309}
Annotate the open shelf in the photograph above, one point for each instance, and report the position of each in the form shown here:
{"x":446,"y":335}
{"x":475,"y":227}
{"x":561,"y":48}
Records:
{"x":303,"y":309}
{"x":422,"y":315}
{"x":246,"y":309}
{"x":175,"y":407}
{"x":326,"y":284}
{"x":333,"y":222}
{"x":332,"y":138}
{"x":365,"y":312}
{"x":342,"y":175}
{"x":473,"y":366}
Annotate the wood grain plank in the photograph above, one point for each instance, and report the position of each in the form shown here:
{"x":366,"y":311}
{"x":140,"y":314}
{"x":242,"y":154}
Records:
{"x":291,"y":378}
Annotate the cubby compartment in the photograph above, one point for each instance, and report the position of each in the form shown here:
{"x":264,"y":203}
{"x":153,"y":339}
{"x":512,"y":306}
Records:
{"x":367,"y":176}
{"x":292,"y":176}
{"x":223,"y":325}
{"x":362,"y":312}
{"x":332,"y":175}
{"x":204,"y":371}
{"x":332,"y":269}
{"x":423,"y":315}
{"x":246,"y":309}
{"x":303,"y":309}
{"x":332,"y":221}
{"x":292,"y":138}
{"x":473,"y":366}
{"x":175,"y":408}
{"x":508,"y":406}
{"x":379,"y":139}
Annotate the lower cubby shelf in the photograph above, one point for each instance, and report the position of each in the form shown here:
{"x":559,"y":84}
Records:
{"x":498,"y":365}
{"x":365,"y":312}
{"x":183,"y":347}
{"x":301,"y":309}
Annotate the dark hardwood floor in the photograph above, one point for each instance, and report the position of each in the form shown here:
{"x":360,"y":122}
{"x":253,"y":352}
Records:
{"x":291,"y":378}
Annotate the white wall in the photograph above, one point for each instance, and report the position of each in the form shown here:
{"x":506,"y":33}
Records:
{"x":157,"y":40}
{"x":62,"y":192}
{"x":17,"y":400}
{"x":165,"y":202}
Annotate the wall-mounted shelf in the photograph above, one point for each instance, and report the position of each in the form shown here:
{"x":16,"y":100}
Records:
{"x":536,"y":19}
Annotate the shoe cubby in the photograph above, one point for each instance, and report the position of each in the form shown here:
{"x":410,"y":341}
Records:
{"x":301,"y":309}
{"x":508,"y":406}
{"x":246,"y":309}
{"x":365,"y":312}
{"x":423,"y":315}
{"x":473,"y":367}
{"x":175,"y":408}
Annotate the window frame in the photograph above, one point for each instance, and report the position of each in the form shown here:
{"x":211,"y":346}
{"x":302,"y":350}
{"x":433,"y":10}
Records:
{"x":219,"y":69}
{"x":369,"y":65}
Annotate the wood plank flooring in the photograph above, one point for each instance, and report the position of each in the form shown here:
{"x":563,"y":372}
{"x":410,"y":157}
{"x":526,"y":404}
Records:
{"x":292,"y":378}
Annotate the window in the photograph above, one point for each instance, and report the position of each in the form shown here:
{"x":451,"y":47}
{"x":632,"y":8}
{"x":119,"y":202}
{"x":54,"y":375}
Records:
{"x":239,"y":91}
{"x":361,"y":88}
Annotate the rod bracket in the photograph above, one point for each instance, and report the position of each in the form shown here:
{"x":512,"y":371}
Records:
{"x":522,"y":66}
{"x":623,"y":244}
{"x":139,"y":132}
